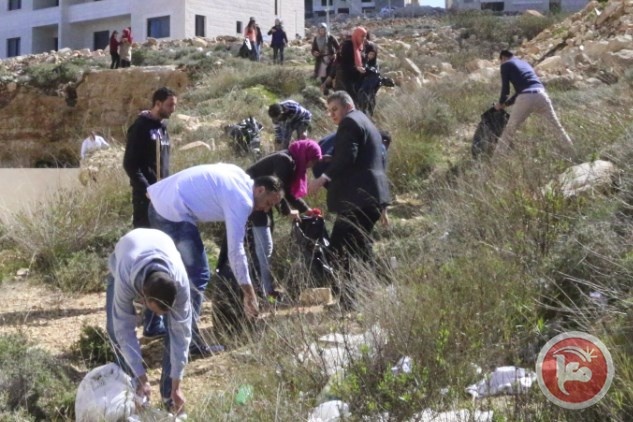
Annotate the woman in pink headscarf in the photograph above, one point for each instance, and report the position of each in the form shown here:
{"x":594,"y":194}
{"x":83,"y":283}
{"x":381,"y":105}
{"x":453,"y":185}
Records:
{"x":350,"y":71}
{"x":125,"y":47}
{"x":291,"y":167}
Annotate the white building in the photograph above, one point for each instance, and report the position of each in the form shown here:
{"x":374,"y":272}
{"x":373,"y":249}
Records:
{"x":35,"y":26}
{"x":352,"y":7}
{"x":517,"y":5}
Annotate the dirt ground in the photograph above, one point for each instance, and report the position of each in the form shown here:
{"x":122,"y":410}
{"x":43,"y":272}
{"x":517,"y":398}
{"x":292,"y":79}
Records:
{"x":53,"y":321}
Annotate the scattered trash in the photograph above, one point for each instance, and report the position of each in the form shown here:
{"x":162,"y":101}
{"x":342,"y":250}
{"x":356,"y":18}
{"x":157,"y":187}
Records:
{"x":105,"y":394}
{"x":336,"y":350}
{"x":404,"y":365}
{"x":598,"y":298}
{"x":331,"y":411}
{"x":461,"y":415}
{"x":244,"y":394}
{"x":504,"y":380}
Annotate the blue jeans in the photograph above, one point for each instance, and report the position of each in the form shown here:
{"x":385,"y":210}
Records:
{"x":263,"y":240}
{"x":187,"y":238}
{"x":165,"y":379}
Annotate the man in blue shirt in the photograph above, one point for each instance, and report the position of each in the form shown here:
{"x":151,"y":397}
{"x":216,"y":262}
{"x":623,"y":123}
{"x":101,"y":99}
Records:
{"x":146,"y":265}
{"x":529,"y":97}
{"x":288,"y":117}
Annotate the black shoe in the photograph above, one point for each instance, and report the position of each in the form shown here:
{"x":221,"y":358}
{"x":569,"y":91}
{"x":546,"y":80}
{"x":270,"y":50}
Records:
{"x":205,"y":350}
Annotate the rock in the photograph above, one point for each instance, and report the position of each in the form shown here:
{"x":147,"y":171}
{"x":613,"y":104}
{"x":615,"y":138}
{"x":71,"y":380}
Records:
{"x":23,"y":272}
{"x":12,"y":86}
{"x":598,"y":174}
{"x":412,"y":67}
{"x":620,"y":42}
{"x":535,"y":13}
{"x":621,"y":60}
{"x":151,"y":41}
{"x":195,"y":145}
{"x":551,"y":63}
{"x":596,"y":49}
{"x":612,"y":11}
{"x":199,"y":42}
{"x":316,"y":296}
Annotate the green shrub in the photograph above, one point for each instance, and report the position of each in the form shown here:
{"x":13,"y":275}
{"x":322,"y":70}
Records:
{"x":93,"y":347}
{"x":48,"y":76}
{"x":82,"y":272}
{"x":32,"y":382}
{"x":88,"y":220}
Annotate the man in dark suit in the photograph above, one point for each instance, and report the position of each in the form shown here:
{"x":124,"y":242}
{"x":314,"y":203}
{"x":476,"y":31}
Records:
{"x":358,"y":187}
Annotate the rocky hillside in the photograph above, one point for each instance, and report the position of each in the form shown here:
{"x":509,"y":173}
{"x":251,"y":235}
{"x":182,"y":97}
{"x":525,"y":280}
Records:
{"x":49,"y":102}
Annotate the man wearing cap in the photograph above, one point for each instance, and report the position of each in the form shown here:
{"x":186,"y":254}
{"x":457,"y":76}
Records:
{"x":529,"y":97}
{"x":146,"y":265}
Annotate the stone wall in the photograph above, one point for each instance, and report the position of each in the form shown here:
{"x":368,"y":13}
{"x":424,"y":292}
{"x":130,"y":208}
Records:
{"x":46,"y":130}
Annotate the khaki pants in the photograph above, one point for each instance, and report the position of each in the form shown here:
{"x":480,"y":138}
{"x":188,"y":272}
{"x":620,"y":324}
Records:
{"x":525,"y":105}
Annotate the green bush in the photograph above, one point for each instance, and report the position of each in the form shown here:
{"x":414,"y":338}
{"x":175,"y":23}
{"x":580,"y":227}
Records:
{"x":82,"y":272}
{"x":48,"y":76}
{"x":86,"y":222}
{"x":93,"y":347}
{"x":32,"y":382}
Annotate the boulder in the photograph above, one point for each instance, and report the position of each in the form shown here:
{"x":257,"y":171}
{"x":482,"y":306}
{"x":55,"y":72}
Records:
{"x":552,"y":63}
{"x":584,"y":177}
{"x":621,"y":60}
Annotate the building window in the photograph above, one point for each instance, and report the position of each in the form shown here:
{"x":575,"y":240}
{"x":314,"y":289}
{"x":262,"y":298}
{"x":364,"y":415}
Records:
{"x":326,"y":3}
{"x":15,"y":4}
{"x":158,"y":27}
{"x":101,"y":40}
{"x":13,"y":47}
{"x":200,"y":26}
{"x":366,"y":1}
{"x":238,"y":27}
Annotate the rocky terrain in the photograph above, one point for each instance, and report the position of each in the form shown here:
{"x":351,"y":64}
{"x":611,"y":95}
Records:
{"x":588,"y":48}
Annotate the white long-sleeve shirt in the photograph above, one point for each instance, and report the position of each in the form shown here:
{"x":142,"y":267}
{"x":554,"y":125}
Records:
{"x":90,"y":144}
{"x":136,"y":254}
{"x":206,"y":193}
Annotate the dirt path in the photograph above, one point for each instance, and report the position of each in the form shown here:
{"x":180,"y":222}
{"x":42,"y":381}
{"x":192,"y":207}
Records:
{"x":53,"y":321}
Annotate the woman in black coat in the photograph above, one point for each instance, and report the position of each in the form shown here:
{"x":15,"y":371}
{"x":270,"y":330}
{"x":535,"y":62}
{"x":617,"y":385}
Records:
{"x":291,"y":167}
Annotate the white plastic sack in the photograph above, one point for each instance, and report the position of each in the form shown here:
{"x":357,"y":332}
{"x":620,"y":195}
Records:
{"x":105,"y":394}
{"x":330,"y":411}
{"x":504,"y":380}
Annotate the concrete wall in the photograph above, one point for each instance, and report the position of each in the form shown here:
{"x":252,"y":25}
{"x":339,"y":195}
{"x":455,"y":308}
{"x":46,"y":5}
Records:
{"x":23,"y":189}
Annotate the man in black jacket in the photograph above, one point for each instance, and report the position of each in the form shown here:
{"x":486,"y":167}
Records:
{"x":146,"y":158}
{"x":146,"y":161}
{"x":358,"y":186}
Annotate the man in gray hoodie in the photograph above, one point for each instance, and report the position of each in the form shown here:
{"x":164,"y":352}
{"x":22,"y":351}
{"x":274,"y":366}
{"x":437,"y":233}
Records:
{"x":146,"y":266}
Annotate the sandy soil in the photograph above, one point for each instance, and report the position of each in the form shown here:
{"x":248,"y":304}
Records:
{"x":53,"y":321}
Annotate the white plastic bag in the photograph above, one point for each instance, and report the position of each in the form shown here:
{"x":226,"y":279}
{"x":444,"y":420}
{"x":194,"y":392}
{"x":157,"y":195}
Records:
{"x":105,"y":394}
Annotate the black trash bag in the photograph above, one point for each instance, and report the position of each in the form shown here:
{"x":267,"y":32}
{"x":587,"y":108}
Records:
{"x":313,"y":240}
{"x":488,"y":131}
{"x":245,"y":49}
{"x":246,"y":137}
{"x":368,"y":88}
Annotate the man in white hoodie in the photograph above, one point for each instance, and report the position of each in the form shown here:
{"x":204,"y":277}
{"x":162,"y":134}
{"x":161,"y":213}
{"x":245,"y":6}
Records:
{"x":146,"y":265}
{"x":211,"y":193}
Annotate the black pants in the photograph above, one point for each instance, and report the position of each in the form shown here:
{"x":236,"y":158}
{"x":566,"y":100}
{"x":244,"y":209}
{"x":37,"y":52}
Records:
{"x":116,"y":59}
{"x":351,"y":234}
{"x":140,"y":206}
{"x":125,"y":63}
